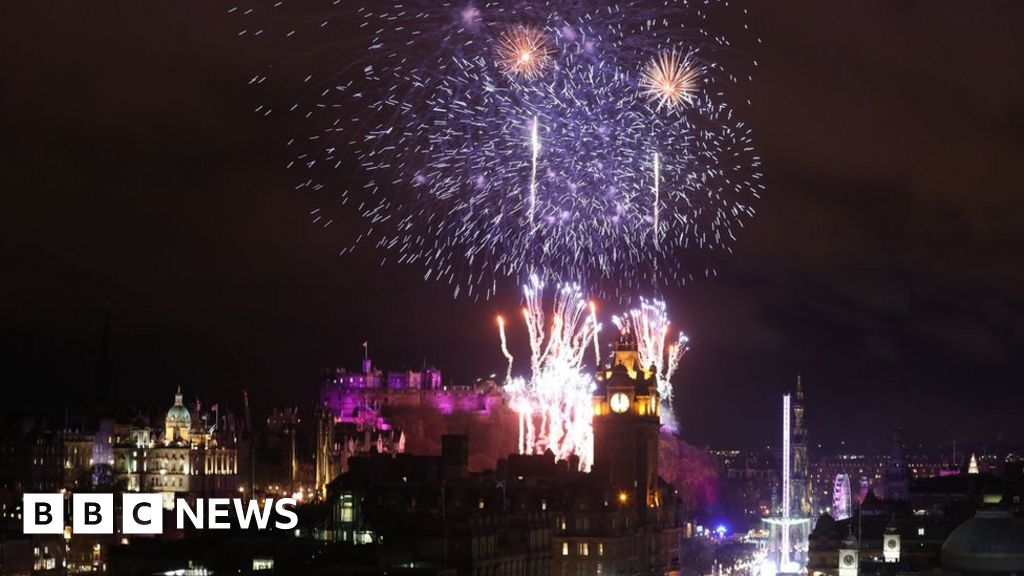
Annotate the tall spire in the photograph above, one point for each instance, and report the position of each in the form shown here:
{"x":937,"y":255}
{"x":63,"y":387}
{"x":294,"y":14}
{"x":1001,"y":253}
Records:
{"x":178,"y":397}
{"x":802,"y":491}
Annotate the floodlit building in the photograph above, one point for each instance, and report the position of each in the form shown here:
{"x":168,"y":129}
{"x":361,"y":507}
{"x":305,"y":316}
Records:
{"x":531,"y":515}
{"x":184,"y":457}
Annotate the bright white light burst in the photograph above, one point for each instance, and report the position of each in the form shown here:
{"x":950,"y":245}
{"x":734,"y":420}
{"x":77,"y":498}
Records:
{"x":554,"y":405}
{"x":649,"y":324}
{"x":671,"y":80}
{"x":524,"y":52}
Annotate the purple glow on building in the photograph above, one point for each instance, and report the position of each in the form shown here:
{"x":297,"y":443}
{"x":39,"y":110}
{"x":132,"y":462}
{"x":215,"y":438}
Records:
{"x":360,"y":398}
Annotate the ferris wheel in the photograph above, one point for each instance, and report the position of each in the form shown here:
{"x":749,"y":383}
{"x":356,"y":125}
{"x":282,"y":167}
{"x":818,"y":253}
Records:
{"x":842,"y":499}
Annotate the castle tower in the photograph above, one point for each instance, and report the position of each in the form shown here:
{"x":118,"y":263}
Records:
{"x":626,"y":423}
{"x":801,"y":494}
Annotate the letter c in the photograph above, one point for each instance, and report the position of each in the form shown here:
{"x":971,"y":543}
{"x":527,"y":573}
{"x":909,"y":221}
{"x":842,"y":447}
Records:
{"x":138,"y":519}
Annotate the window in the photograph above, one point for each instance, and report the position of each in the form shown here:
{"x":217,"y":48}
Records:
{"x":920,"y":531}
{"x":600,"y":551}
{"x":565,"y":548}
{"x":347,"y":505}
{"x":584,"y":549}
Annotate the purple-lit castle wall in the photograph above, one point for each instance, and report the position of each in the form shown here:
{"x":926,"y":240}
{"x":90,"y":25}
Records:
{"x":353,"y":397}
{"x":418,"y":403}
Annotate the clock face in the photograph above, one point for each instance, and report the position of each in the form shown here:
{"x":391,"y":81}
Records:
{"x":619,"y":402}
{"x":891,"y":543}
{"x":848,"y":560}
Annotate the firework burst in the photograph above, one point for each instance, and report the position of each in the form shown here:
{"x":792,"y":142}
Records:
{"x":492,"y":140}
{"x":671,"y":81}
{"x":524,"y":52}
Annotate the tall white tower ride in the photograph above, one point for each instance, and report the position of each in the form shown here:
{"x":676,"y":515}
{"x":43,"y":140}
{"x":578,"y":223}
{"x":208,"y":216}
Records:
{"x":785,"y":522}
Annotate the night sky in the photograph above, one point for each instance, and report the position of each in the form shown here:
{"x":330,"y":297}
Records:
{"x":884,"y":264}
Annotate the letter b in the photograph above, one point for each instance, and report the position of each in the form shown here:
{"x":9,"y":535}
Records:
{"x":42,"y":514}
{"x":92,"y":513}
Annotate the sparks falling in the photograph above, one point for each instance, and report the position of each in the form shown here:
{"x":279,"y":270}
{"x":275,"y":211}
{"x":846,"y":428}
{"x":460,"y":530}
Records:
{"x":657,"y":197}
{"x":534,"y":155}
{"x":650,"y":325}
{"x":554,"y":404}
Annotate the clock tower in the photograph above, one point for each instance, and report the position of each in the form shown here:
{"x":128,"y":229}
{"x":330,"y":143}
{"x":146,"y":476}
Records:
{"x":849,"y":557}
{"x":626,"y":423}
{"x":891,"y":543}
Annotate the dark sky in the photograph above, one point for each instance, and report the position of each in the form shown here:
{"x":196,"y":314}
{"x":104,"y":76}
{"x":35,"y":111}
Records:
{"x":884,"y":264}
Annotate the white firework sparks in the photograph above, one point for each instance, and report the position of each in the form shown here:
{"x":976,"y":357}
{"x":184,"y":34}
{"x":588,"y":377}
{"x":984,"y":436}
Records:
{"x":554,"y":404}
{"x":504,"y":347}
{"x":650,"y":325}
{"x":671,"y":80}
{"x":485,"y":140}
{"x":524,"y":52}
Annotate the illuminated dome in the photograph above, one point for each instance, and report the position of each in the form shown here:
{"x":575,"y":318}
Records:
{"x":992,"y":541}
{"x":178,"y":422}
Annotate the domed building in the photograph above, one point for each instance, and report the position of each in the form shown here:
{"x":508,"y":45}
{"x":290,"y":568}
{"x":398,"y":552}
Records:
{"x":178,"y":424}
{"x":991,"y":542}
{"x":198,"y":458}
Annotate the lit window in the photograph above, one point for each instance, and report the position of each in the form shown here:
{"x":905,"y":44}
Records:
{"x":600,"y":549}
{"x":565,"y":548}
{"x":920,"y":531}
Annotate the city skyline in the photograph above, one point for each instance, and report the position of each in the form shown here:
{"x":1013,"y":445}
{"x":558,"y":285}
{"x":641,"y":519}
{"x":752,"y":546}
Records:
{"x":881,"y":265}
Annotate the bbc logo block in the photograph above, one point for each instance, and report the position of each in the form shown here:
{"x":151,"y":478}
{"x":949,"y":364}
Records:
{"x":43,"y":514}
{"x":144,"y":513}
{"x":92,"y":514}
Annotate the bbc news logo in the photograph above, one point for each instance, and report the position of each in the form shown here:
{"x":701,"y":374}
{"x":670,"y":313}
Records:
{"x":143,"y":514}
